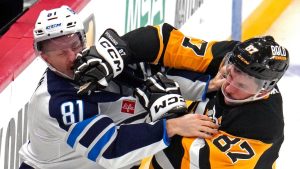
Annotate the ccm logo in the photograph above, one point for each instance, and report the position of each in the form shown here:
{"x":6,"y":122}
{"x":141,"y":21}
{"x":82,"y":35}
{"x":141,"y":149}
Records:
{"x":168,"y":102}
{"x":113,"y":53}
{"x":53,"y":26}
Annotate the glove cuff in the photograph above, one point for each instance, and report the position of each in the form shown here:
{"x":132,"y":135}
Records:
{"x":108,"y":51}
{"x":163,"y":105}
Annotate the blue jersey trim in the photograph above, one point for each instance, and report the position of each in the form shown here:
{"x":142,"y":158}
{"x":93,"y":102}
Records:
{"x":166,"y":138}
{"x":206,"y":88}
{"x":79,"y":127}
{"x":94,"y":153}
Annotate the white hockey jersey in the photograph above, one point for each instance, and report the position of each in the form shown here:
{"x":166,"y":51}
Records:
{"x":71,"y":131}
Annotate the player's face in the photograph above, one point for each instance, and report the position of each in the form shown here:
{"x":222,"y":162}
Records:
{"x":238,"y":85}
{"x":61,"y":52}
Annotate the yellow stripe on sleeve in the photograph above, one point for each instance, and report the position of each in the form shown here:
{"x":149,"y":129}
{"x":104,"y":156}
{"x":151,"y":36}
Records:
{"x":161,"y":44}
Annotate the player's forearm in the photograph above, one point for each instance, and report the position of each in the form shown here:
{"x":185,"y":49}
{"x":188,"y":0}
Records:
{"x":143,"y":43}
{"x":101,"y":141}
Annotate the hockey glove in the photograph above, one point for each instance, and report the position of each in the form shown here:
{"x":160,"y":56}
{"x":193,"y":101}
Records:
{"x":91,"y":72}
{"x":96,"y":66}
{"x":161,"y":97}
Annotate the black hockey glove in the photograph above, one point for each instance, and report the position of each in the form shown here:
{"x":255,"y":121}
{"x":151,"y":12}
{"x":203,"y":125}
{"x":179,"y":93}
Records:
{"x":161,"y":97}
{"x":91,"y":72}
{"x":96,"y":66}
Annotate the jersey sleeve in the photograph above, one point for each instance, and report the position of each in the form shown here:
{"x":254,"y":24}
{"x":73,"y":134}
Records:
{"x":183,"y":52}
{"x":111,"y":146}
{"x":193,"y":85}
{"x":163,"y":44}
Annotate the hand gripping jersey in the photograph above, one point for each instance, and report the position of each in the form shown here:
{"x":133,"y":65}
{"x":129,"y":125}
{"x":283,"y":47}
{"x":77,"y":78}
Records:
{"x":71,"y":131}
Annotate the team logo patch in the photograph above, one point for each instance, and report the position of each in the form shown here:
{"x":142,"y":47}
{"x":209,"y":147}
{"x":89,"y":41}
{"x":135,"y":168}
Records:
{"x":128,"y":106}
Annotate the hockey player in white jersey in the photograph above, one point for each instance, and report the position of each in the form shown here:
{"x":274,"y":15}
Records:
{"x":71,"y":130}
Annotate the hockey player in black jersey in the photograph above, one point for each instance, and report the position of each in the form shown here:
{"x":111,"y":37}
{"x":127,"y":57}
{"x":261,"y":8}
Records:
{"x":71,"y":130}
{"x":248,"y":107}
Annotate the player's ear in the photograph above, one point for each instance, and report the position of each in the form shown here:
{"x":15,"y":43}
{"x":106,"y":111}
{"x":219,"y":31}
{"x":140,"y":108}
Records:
{"x":44,"y":56}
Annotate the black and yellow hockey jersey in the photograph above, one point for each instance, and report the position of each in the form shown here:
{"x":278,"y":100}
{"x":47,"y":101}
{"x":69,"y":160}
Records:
{"x":250,"y":134}
{"x":250,"y":137}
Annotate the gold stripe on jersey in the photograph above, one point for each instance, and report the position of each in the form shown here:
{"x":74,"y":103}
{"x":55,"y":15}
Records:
{"x":161,"y":44}
{"x":146,"y":163}
{"x":186,"y":159}
{"x":226,"y":151}
{"x":181,"y":57}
